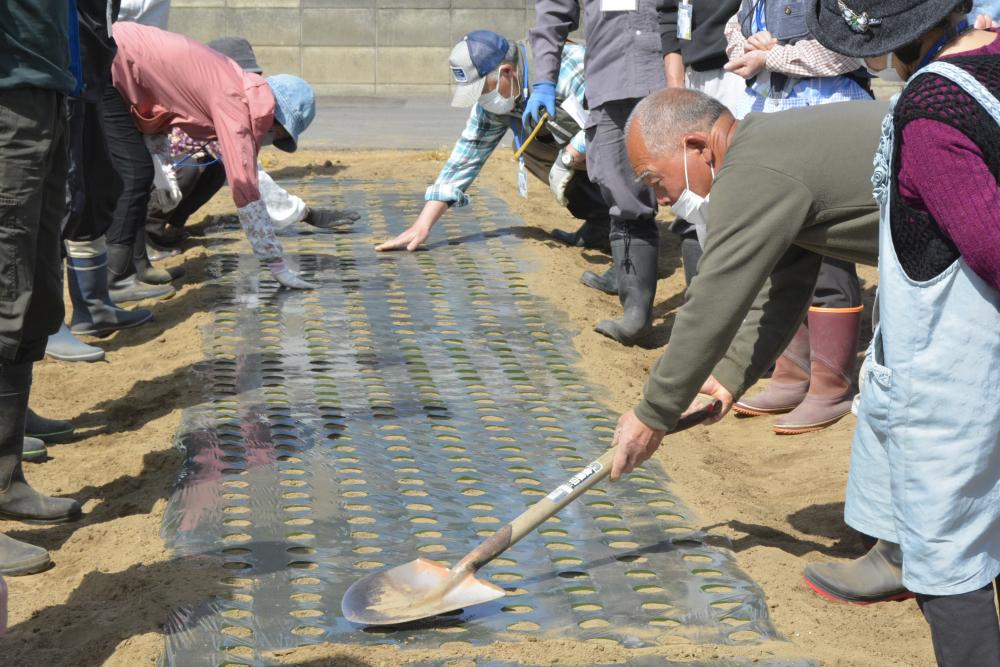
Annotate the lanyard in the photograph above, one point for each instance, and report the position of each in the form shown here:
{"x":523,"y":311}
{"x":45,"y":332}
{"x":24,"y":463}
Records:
{"x":519,"y":135}
{"x":183,"y":162}
{"x":939,"y":45}
{"x":760,"y":22}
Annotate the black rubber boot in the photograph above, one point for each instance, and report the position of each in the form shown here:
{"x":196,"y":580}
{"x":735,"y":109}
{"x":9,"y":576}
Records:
{"x":592,"y":234}
{"x":635,"y":252}
{"x":34,"y":450}
{"x":606,"y":282}
{"x":162,"y":234}
{"x":18,"y":500}
{"x":47,"y":430}
{"x":144,"y":268}
{"x":19,"y":558}
{"x":125,"y":285}
{"x":875,"y":577}
{"x":94,"y":314}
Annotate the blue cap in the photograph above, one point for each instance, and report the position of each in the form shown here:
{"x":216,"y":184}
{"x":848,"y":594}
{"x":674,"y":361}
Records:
{"x":294,"y":107}
{"x":478,"y":54}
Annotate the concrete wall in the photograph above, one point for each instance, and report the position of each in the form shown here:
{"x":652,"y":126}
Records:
{"x":354,"y":47}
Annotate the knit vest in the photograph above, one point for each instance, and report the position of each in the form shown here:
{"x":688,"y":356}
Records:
{"x":921,"y":246}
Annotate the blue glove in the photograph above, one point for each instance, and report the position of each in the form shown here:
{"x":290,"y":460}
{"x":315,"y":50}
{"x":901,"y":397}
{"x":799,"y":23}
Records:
{"x":543,"y":94}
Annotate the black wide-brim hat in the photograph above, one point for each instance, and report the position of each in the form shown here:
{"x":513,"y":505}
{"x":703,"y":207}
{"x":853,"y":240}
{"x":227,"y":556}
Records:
{"x":866,"y":28}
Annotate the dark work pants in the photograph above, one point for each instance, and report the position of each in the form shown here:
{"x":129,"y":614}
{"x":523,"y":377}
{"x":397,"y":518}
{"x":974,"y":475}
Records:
{"x":33,"y":165}
{"x":964,"y":628}
{"x":132,"y":165}
{"x":837,"y":285}
{"x":631,"y":203}
{"x":198,"y":183}
{"x":94,"y":187}
{"x":584,"y":199}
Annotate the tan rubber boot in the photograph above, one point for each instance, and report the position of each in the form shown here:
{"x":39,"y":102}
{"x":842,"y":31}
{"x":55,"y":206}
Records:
{"x":833,"y":343}
{"x":875,"y":577}
{"x":789,"y":382}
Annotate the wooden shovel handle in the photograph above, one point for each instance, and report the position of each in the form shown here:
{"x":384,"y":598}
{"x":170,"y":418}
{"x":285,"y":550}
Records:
{"x":561,"y":496}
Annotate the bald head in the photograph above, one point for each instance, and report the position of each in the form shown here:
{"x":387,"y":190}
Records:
{"x":665,"y":117}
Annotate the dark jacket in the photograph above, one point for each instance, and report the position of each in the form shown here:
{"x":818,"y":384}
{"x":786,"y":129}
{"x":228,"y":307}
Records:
{"x":706,"y":50}
{"x":34,"y":45}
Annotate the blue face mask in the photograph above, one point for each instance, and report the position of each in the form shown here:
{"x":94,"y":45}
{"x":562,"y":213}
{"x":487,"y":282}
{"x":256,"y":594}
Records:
{"x":494,"y":102}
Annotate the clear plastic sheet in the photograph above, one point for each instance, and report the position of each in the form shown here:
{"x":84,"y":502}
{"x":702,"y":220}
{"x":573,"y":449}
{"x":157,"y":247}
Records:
{"x":409,"y":407}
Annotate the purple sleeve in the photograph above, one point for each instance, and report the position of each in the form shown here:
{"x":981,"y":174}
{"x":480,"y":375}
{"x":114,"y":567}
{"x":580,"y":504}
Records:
{"x":945,"y":174}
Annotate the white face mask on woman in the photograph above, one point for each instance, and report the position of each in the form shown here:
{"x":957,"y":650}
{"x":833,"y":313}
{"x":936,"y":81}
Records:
{"x":888,"y":74}
{"x":496,"y":103}
{"x":691,"y":206}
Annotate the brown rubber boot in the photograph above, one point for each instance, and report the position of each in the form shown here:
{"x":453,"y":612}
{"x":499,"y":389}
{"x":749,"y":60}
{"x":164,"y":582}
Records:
{"x":875,"y":577}
{"x":789,"y":382}
{"x":833,"y":344}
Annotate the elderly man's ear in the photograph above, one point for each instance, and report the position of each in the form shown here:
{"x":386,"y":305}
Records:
{"x":696,"y":143}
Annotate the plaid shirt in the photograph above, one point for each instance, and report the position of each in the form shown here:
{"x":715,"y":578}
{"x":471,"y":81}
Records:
{"x":484,"y":130}
{"x":816,"y":75}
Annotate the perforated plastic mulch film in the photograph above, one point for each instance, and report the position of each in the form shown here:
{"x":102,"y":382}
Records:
{"x":408,"y":408}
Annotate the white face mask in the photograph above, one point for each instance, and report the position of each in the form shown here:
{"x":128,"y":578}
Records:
{"x":496,"y":103}
{"x":691,"y":206}
{"x":888,"y":74}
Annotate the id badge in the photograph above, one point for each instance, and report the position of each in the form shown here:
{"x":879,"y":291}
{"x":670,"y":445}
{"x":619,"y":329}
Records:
{"x":522,"y":178}
{"x":685,"y":14}
{"x":619,"y":5}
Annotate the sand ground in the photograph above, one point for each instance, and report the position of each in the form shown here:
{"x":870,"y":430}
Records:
{"x":779,"y":499}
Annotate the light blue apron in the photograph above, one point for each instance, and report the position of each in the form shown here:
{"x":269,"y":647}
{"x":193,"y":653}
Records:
{"x":925,"y":461}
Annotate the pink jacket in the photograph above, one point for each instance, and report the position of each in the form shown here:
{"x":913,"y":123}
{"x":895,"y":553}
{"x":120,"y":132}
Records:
{"x":172,"y":81}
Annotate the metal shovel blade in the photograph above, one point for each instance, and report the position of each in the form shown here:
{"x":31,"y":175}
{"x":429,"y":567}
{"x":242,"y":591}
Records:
{"x":415,"y":590}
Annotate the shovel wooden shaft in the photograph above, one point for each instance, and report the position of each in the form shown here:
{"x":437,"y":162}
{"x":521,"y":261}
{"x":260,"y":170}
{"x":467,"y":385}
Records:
{"x":531,"y":137}
{"x":561,"y":496}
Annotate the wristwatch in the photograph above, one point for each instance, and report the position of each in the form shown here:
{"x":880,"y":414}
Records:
{"x":566,"y":158}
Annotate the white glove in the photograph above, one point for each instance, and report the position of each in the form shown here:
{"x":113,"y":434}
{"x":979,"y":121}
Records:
{"x":285,"y":276}
{"x":167,"y":194}
{"x":559,"y":177}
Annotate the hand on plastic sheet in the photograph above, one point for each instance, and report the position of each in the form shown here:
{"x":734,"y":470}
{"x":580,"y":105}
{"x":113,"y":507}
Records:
{"x":634,"y":442}
{"x":411,"y":239}
{"x":713,"y":388}
{"x":289,"y":278}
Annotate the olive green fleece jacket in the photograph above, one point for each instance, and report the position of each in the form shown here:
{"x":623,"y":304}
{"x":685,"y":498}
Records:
{"x":794,"y":187}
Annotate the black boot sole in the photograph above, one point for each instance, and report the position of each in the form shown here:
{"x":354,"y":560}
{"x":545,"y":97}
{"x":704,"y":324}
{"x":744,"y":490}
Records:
{"x":33,"y":567}
{"x":118,"y":298}
{"x":35,"y":521}
{"x":108,"y":330}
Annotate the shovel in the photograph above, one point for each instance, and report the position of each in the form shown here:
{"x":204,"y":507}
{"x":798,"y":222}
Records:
{"x":422,"y":588}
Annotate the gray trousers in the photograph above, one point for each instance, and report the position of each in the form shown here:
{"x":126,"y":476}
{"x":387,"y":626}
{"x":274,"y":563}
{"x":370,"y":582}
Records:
{"x":837,"y":285}
{"x":630,"y":202}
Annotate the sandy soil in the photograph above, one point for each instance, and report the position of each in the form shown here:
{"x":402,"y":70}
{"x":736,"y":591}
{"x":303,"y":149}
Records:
{"x":779,"y":499}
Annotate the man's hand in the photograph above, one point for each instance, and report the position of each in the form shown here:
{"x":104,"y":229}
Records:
{"x":713,"y":388}
{"x":411,"y":239}
{"x":635,"y":443}
{"x":761,"y":41}
{"x":543,"y":97}
{"x":748,"y":65}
